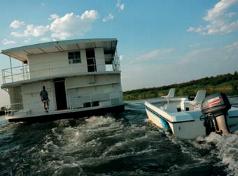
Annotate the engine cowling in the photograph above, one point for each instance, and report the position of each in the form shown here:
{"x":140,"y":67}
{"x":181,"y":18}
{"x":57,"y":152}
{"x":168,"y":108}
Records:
{"x":215,"y":109}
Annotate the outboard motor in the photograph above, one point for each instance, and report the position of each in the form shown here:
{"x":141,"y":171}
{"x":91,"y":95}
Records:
{"x":215,"y":109}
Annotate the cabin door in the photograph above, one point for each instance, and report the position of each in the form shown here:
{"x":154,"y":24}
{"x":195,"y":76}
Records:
{"x":60,"y":94}
{"x":91,"y":61}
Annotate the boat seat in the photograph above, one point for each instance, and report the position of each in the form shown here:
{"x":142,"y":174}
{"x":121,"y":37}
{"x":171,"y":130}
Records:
{"x":194,"y":104}
{"x":201,"y":94}
{"x":171,"y":94}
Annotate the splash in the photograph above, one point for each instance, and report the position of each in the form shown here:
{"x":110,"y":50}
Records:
{"x":224,"y":147}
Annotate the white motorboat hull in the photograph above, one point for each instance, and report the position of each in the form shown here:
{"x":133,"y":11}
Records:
{"x":185,"y":124}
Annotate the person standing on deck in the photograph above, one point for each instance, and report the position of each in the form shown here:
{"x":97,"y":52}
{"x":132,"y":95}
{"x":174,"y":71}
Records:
{"x":45,"y":98}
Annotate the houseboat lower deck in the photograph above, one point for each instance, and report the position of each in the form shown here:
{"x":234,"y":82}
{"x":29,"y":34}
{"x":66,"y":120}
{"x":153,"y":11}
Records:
{"x":63,"y":114}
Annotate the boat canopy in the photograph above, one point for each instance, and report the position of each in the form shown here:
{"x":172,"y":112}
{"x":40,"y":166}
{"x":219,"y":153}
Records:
{"x":22,"y":53}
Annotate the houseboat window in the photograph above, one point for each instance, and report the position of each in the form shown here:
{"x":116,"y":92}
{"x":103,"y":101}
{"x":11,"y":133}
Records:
{"x":86,"y":105}
{"x":74,"y":57}
{"x":91,"y":61}
{"x":95,"y":103}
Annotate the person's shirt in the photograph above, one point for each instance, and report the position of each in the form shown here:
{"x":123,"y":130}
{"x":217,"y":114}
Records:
{"x":44,"y":95}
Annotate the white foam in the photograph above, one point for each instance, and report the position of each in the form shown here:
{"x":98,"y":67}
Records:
{"x":95,"y":141}
{"x":227,"y":149}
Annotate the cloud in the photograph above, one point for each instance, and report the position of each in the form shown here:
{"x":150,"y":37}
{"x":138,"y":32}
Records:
{"x":68,"y":25}
{"x":155,"y":54}
{"x":233,"y":46}
{"x":32,"y":31}
{"x":194,"y":64}
{"x":219,"y":19}
{"x":89,"y":15}
{"x":107,"y":18}
{"x":16,"y":24}
{"x":120,"y":6}
{"x":53,"y":16}
{"x":231,"y":14}
{"x":45,"y":39}
{"x":8,"y":42}
{"x":219,"y":9}
{"x":72,"y":25}
{"x":28,"y":40}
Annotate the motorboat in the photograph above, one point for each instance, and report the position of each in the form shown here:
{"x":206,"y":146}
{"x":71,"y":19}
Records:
{"x":188,"y":119}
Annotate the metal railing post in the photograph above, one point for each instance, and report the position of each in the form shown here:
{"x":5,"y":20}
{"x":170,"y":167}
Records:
{"x":3,"y":77}
{"x":11,"y":68}
{"x":23,"y":71}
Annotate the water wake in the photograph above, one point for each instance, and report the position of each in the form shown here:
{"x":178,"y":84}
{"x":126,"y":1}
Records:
{"x":224,"y":147}
{"x":109,"y":146}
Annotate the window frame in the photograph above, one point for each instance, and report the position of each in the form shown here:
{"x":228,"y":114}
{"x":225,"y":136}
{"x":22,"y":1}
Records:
{"x":74,"y":57}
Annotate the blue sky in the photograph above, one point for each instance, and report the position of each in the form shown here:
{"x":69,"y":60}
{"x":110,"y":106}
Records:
{"x":160,"y":42}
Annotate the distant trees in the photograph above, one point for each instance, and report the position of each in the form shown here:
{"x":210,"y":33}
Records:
{"x":227,"y":83}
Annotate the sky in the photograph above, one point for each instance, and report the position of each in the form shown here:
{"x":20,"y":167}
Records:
{"x":159,"y":42}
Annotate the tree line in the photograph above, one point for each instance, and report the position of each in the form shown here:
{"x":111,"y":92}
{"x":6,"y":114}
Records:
{"x":226,"y":83}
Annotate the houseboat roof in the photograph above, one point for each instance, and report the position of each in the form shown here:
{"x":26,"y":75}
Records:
{"x":21,"y":53}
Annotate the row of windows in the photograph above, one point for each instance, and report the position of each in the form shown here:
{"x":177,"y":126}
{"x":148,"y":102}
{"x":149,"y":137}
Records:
{"x":74,"y":57}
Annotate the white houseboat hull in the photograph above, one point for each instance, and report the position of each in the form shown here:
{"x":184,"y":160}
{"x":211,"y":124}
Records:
{"x":64,"y":114}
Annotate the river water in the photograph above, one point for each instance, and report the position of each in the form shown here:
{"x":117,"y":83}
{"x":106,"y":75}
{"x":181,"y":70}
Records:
{"x":105,"y":145}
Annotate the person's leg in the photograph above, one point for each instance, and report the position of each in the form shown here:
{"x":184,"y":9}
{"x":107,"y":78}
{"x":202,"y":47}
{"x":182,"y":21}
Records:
{"x":44,"y":105}
{"x":47,"y":105}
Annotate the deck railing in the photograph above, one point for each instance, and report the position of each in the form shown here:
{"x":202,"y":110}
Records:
{"x":14,"y":74}
{"x":22,"y":73}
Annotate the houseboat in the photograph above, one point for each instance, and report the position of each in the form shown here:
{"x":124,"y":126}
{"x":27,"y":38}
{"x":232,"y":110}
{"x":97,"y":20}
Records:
{"x":81,"y":77}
